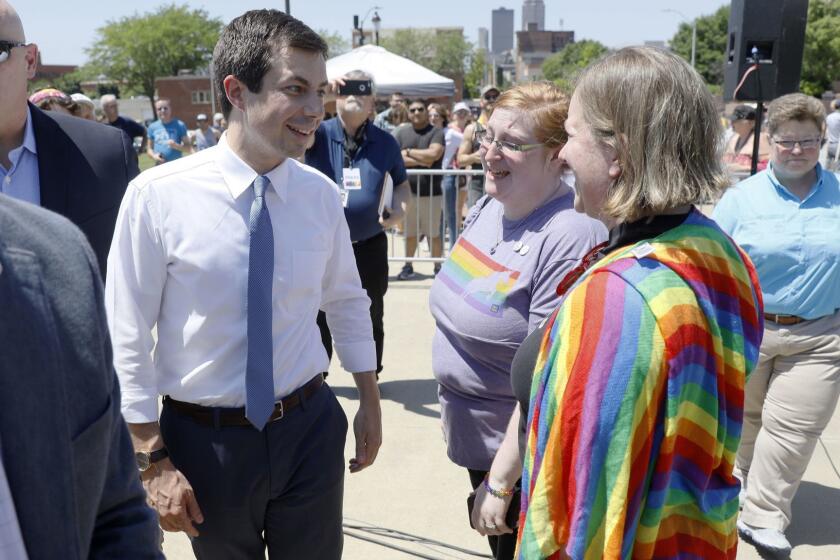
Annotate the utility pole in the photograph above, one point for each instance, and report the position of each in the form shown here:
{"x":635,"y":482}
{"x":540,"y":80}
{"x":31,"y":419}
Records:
{"x":288,"y":10}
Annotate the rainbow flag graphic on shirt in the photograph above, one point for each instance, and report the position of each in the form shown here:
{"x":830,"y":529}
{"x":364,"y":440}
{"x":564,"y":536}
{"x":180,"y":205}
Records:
{"x":482,"y":282}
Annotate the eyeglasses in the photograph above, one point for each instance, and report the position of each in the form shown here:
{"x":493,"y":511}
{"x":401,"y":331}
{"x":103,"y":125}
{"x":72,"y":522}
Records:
{"x":804,"y":143}
{"x":6,"y":49}
{"x":434,"y":115}
{"x":485,"y":140}
{"x":417,"y":110}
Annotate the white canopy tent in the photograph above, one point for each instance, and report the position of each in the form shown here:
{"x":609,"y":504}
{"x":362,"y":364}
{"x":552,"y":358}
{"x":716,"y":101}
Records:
{"x":391,"y":73}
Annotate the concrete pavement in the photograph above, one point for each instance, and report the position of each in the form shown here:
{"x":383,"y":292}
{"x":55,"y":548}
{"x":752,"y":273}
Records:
{"x":414,"y":489}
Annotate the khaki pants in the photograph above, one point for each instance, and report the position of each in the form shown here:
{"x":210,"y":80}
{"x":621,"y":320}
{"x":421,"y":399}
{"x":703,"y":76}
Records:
{"x":788,"y":401}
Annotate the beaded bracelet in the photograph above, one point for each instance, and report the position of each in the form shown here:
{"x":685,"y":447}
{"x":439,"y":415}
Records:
{"x":501,"y":494}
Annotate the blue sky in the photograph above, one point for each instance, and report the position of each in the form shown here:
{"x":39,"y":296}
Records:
{"x":63,"y":29}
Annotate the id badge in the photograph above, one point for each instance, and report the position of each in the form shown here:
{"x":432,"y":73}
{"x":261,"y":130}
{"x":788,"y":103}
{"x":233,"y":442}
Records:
{"x":352,"y":179}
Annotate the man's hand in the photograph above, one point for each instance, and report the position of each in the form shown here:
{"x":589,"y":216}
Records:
{"x":170,"y":494}
{"x":395,"y":216}
{"x":367,"y":425}
{"x":158,"y":158}
{"x":172,"y":143}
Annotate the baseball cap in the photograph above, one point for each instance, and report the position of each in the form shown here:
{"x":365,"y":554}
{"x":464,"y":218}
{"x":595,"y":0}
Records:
{"x":460,"y":106}
{"x":487,"y":89}
{"x":83,"y":99}
{"x":201,"y":117}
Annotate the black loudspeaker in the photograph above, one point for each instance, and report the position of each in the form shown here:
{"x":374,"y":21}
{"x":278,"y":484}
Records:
{"x":776,"y":29}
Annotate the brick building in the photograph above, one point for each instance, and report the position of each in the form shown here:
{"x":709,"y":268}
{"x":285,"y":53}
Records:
{"x":534,"y":46}
{"x":51,"y":72}
{"x":189,"y":95}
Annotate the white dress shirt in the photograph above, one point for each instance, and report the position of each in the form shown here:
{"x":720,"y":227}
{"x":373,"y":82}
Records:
{"x":179,"y":261}
{"x":11,"y":541}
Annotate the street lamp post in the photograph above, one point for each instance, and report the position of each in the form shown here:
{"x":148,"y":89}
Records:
{"x":693,"y":33}
{"x":360,"y":24}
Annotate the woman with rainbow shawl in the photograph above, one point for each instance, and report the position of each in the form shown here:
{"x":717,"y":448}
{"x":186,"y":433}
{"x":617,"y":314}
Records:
{"x":638,"y":387}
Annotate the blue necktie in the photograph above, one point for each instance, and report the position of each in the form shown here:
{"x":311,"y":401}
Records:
{"x":259,"y":371}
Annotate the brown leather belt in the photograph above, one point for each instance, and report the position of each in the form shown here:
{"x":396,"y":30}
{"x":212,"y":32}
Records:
{"x":208,"y":415}
{"x":784,"y":319}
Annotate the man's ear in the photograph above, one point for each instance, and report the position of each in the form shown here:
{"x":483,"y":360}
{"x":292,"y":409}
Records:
{"x":31,"y":57}
{"x":235,"y":90}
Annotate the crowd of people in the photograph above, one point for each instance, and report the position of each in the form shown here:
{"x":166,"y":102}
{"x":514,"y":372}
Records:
{"x":619,"y":374}
{"x":169,"y":136}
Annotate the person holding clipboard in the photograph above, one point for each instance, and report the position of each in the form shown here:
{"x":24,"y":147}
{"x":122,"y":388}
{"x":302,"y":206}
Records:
{"x":362,"y":159}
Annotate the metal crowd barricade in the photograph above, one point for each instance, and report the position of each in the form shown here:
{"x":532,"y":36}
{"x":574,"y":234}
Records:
{"x":425,"y":186}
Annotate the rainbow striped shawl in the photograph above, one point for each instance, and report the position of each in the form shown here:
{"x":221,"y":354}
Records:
{"x":637,"y":402}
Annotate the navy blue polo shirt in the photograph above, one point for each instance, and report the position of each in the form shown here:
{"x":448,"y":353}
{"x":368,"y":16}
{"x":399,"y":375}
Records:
{"x":377,"y":155}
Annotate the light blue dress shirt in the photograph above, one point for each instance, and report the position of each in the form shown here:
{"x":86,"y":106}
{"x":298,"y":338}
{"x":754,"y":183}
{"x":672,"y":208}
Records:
{"x":794,"y":244}
{"x":21,"y":180}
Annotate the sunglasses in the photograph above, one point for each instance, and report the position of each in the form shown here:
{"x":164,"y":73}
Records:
{"x":417,"y":110}
{"x":6,"y":49}
{"x":491,"y":97}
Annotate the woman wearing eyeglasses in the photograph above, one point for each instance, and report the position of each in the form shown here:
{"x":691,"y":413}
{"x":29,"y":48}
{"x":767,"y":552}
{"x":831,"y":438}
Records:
{"x":499,"y":282}
{"x":787,"y":219}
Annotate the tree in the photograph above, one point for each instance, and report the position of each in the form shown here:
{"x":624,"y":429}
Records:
{"x":821,"y":59}
{"x":137,"y":49}
{"x":336,"y":43}
{"x":476,"y":72}
{"x":712,"y":33}
{"x":446,"y":52}
{"x":563,"y":66}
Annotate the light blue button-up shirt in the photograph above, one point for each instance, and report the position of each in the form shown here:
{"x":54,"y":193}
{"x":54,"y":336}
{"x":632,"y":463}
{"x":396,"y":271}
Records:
{"x":794,"y":244}
{"x":21,"y":180}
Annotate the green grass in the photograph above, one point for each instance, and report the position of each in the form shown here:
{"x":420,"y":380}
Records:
{"x":146,"y":162}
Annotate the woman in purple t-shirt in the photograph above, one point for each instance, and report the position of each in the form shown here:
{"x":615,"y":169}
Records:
{"x":501,"y":277}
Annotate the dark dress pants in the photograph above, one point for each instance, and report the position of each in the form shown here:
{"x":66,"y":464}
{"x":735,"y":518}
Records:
{"x":502,"y":546}
{"x":372,"y":262}
{"x":280,"y":488}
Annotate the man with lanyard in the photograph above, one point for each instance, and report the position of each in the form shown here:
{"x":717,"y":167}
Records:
{"x":359,"y":157}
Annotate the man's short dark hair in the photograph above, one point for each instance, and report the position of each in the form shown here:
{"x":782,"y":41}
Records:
{"x":247,"y":46}
{"x":420,"y":101}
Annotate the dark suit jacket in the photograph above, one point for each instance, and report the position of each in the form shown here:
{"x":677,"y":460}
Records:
{"x":84,"y":168}
{"x":65,"y":448}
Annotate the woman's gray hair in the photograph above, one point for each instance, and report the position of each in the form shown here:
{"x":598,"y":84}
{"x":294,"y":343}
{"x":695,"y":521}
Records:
{"x":657,"y":113}
{"x":362,"y":75}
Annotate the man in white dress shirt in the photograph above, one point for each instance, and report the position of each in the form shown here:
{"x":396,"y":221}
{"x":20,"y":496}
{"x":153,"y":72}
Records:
{"x":230,"y":253}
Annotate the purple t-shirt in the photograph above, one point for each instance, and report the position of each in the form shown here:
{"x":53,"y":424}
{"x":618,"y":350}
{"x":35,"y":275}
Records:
{"x":485,"y":304}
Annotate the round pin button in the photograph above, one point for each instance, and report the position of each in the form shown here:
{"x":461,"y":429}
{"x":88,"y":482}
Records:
{"x":517,"y":246}
{"x":524,"y":250}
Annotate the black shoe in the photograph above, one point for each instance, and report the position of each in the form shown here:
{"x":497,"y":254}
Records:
{"x":407,"y":273}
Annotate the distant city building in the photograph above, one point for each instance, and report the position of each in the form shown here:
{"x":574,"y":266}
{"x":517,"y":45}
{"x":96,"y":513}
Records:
{"x":502,"y":38}
{"x":657,"y":44}
{"x":533,"y":15}
{"x":484,"y":38}
{"x":533,"y":47}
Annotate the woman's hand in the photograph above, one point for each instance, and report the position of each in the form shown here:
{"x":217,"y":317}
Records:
{"x":488,"y":514}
